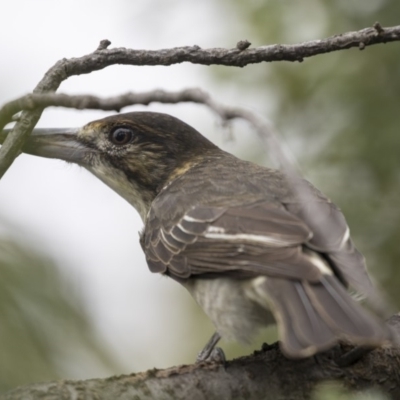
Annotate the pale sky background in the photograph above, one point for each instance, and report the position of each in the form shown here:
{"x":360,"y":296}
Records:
{"x":90,"y":231}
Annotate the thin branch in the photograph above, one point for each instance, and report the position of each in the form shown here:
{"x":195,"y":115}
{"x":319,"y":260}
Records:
{"x":36,"y":101}
{"x":238,"y":56}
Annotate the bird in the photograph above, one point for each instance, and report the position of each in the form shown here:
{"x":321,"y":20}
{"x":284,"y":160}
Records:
{"x":232,"y":232}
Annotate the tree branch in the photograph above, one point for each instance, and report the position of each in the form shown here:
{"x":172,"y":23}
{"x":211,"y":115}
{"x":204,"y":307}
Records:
{"x":239,"y":56}
{"x":265,"y":375}
{"x":37,"y":101}
{"x":245,"y":377}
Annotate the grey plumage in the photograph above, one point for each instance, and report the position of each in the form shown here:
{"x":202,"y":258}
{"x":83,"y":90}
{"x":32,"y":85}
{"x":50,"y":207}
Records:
{"x":233,"y":233}
{"x":248,"y":226}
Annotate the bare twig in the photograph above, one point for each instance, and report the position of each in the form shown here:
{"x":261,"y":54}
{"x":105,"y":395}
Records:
{"x":378,"y":28}
{"x":36,"y":101}
{"x":243,"y":45}
{"x":235,"y":57}
{"x":103,"y":45}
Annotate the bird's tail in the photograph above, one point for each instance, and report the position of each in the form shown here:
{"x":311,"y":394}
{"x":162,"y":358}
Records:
{"x":311,"y":317}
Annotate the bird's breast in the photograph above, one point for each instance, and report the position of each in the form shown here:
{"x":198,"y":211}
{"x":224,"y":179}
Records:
{"x":231,"y":305}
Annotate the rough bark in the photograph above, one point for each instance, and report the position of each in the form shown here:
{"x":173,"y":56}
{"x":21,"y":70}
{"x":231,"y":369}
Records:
{"x":265,"y":375}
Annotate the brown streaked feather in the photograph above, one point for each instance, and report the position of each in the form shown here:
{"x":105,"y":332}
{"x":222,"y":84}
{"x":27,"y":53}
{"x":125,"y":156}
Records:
{"x":343,"y":314}
{"x":193,"y":227}
{"x":181,"y":236}
{"x":313,"y":316}
{"x":313,"y":330}
{"x":302,"y":328}
{"x":289,"y":263}
{"x":156,"y":266}
{"x":335,"y":242}
{"x":205,"y":214}
{"x":212,"y":231}
{"x":328,"y":214}
{"x":163,"y":253}
{"x":174,"y":245}
{"x":264,"y":219}
{"x":351,"y":264}
{"x":179,"y":265}
{"x":186,"y":243}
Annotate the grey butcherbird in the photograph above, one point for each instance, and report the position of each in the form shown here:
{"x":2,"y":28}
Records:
{"x":230,"y":231}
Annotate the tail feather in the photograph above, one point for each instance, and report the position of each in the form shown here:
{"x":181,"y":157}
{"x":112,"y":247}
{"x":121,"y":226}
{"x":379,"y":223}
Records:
{"x":343,"y":314}
{"x":312,"y":329}
{"x":312,"y":317}
{"x":303,"y":332}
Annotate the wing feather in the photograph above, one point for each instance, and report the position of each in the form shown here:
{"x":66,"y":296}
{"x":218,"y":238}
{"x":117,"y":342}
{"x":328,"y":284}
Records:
{"x":255,"y":239}
{"x":331,"y":236}
{"x":288,"y":259}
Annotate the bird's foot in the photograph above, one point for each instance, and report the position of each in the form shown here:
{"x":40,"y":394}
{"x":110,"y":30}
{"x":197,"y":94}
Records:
{"x":217,"y":355}
{"x":210,"y":352}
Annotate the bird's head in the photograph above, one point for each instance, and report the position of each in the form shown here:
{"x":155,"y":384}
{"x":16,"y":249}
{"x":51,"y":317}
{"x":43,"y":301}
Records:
{"x":136,"y":153}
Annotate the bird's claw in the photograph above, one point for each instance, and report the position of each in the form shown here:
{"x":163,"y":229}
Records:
{"x":215,"y":355}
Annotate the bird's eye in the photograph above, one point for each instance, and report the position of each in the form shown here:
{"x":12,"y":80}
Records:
{"x":120,"y":136}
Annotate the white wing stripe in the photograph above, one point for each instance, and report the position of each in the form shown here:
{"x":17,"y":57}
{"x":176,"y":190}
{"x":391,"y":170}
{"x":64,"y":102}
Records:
{"x":215,"y":229}
{"x":191,"y":219}
{"x":219,"y":235}
{"x":345,"y":238}
{"x":318,"y":262}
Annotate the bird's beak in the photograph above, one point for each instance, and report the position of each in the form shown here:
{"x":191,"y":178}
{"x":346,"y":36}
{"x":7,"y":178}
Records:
{"x":58,"y":143}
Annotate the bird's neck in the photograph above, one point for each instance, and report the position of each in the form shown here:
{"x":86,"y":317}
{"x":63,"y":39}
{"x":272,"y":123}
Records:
{"x":136,"y":195}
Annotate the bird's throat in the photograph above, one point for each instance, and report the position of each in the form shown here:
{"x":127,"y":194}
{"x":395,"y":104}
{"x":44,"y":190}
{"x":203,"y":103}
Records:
{"x":117,"y":180}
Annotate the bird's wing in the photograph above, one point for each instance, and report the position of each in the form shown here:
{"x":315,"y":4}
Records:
{"x":266,"y":241}
{"x":331,"y":236}
{"x":250,"y":240}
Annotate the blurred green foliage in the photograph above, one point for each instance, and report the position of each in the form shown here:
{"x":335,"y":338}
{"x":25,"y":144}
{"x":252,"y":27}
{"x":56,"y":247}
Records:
{"x":44,"y":331}
{"x":339,"y":112}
